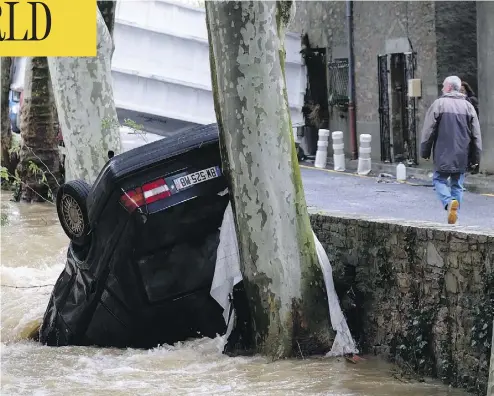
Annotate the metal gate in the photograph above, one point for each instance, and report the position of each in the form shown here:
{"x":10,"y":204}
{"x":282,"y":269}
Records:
{"x":385,"y":137}
{"x":405,"y":140}
{"x":338,"y":83}
{"x":410,"y":129}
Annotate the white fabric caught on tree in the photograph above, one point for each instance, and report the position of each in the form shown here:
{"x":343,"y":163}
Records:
{"x":227,"y":271}
{"x":343,"y":342}
{"x":227,"y":274}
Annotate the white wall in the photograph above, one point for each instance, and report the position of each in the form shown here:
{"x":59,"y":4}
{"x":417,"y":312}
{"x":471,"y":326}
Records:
{"x":161,"y":62}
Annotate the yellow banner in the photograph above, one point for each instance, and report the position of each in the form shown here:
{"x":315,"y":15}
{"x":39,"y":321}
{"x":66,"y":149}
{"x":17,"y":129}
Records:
{"x":48,"y":28}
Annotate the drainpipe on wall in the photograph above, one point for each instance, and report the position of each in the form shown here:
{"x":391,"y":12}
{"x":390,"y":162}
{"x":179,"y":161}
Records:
{"x":351,"y":80}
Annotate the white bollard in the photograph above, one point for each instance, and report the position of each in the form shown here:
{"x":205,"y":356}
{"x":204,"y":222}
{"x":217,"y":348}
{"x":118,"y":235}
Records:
{"x":364,"y":158}
{"x":323,"y":135}
{"x":322,"y":149}
{"x":338,"y":151}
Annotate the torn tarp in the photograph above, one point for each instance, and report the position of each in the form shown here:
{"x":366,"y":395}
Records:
{"x":227,"y":274}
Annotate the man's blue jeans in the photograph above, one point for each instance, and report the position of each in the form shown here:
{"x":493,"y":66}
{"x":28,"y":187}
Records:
{"x":448,"y":190}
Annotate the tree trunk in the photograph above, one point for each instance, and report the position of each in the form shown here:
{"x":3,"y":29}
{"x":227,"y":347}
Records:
{"x":107,"y":9}
{"x":86,"y":109}
{"x":282,"y":276}
{"x":38,"y":133}
{"x":6,"y":133}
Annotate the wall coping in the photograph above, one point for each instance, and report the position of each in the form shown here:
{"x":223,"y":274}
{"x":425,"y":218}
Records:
{"x":466,"y":230}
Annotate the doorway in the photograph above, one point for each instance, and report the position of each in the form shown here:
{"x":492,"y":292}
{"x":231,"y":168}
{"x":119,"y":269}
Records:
{"x":396,"y":109}
{"x":315,"y":109}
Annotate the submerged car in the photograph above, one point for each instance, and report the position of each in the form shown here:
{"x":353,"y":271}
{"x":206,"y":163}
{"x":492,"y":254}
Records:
{"x":143,"y":244}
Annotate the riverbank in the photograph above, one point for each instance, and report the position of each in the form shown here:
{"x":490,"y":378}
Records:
{"x":419,"y":294}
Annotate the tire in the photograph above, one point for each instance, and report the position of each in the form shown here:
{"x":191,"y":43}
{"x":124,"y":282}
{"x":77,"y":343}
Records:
{"x":72,"y":211}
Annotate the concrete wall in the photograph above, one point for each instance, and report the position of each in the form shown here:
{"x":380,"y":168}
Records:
{"x":379,"y":28}
{"x":456,"y":33}
{"x":443,"y":34}
{"x":323,"y":21}
{"x":325,"y":24}
{"x":420,"y":294}
{"x":485,"y":46}
{"x":390,"y":27}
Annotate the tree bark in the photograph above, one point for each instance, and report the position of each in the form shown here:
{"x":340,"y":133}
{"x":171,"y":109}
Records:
{"x":107,"y":9}
{"x":39,"y":134}
{"x":282,"y":276}
{"x":6,"y":133}
{"x":86,"y":108}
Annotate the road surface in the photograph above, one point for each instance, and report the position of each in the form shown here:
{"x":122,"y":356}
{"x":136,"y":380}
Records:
{"x":350,"y":194}
{"x":347,"y":193}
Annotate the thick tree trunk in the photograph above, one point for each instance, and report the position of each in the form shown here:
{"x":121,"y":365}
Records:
{"x":86,"y":109}
{"x":6,"y":133}
{"x":39,"y":134}
{"x":279,"y":263}
{"x":107,"y":9}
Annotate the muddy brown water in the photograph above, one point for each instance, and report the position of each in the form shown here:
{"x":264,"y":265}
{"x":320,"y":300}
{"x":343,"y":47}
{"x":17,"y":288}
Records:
{"x":32,"y":254}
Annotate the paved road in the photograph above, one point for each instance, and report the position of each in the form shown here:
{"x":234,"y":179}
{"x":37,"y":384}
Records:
{"x":347,"y":193}
{"x":351,"y":194}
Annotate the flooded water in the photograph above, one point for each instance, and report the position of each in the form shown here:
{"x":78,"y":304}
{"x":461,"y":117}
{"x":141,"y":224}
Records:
{"x":32,"y":254}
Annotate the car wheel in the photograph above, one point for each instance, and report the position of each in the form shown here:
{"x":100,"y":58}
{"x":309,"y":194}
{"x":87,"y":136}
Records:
{"x":72,"y":210}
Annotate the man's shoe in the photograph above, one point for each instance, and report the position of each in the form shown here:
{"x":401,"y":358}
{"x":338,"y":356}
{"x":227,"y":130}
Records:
{"x":453,"y":211}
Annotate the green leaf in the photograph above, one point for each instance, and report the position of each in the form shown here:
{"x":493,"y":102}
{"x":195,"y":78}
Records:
{"x":4,"y":173}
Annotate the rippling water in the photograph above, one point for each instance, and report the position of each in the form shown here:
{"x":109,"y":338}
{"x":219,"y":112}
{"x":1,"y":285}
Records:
{"x":32,"y":254}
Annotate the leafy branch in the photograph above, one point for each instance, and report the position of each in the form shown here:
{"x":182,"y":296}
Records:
{"x":137,"y":129}
{"x":17,"y":182}
{"x":37,"y":170}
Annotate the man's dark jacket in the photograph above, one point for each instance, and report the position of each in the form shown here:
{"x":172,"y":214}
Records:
{"x":450,"y":126}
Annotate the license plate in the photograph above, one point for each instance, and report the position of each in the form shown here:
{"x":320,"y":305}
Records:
{"x":197,"y":177}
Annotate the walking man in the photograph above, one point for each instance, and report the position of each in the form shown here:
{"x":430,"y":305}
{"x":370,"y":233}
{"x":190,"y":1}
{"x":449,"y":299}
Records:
{"x":450,"y":127}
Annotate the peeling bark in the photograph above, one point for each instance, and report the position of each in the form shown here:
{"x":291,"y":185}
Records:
{"x":38,"y":133}
{"x":86,"y":108}
{"x":283,"y":280}
{"x":6,"y":133}
{"x":107,"y":9}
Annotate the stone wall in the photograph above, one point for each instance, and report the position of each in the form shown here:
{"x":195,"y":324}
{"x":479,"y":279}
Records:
{"x":422,"y":295}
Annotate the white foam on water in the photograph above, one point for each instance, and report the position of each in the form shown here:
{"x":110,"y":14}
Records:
{"x":23,"y":306}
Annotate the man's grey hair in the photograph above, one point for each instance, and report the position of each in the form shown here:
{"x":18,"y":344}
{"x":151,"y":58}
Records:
{"x":454,"y":81}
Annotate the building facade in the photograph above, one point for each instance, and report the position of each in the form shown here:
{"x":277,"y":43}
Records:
{"x":394,"y":42}
{"x":485,"y":46}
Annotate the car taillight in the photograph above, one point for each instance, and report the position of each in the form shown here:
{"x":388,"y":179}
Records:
{"x":147,"y":194}
{"x":133,"y":199}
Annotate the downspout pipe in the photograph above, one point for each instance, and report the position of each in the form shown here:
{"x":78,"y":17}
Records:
{"x":351,"y":81}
